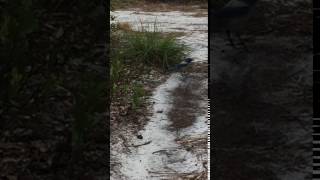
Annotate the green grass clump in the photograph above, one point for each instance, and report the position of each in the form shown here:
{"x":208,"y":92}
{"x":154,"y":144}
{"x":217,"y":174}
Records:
{"x":154,"y":49}
{"x":136,"y":53}
{"x":138,"y":93}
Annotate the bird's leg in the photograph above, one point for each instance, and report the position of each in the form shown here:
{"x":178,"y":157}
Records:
{"x":230,"y":39}
{"x":242,"y":43}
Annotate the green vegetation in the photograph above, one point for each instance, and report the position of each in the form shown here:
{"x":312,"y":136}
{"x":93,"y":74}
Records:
{"x":136,"y":53}
{"x":138,"y":93}
{"x":154,"y":49}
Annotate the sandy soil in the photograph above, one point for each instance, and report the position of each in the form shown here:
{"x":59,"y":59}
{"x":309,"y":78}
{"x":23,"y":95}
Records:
{"x":169,"y":146}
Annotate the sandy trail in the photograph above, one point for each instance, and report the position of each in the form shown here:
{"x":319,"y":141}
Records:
{"x":195,"y":28}
{"x":160,"y":154}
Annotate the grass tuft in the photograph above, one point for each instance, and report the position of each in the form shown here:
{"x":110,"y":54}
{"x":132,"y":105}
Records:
{"x":153,"y":48}
{"x":124,"y":26}
{"x":138,"y":93}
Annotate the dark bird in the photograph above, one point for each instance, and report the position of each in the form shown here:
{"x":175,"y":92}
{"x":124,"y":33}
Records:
{"x":178,"y":67}
{"x":233,"y":17}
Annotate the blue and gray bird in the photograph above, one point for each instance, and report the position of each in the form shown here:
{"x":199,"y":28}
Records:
{"x":178,"y":67}
{"x":232,"y":18}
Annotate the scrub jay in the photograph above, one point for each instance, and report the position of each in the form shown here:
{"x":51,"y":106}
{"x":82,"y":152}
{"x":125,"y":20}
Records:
{"x":233,"y":17}
{"x":178,"y":67}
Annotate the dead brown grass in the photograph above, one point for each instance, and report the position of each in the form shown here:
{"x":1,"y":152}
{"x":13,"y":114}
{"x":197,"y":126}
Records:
{"x":193,"y":176}
{"x":200,"y":14}
{"x":165,"y":7}
{"x":124,"y":26}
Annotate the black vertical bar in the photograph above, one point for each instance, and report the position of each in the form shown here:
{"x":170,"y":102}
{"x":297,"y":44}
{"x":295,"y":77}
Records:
{"x":316,"y":18}
{"x":316,"y":75}
{"x":316,"y":62}
{"x":316,"y":89}
{"x":316,"y":39}
{"x":210,"y":95}
{"x":316,"y":3}
{"x":316,"y":100}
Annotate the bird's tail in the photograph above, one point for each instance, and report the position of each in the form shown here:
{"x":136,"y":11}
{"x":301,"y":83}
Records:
{"x":180,"y":66}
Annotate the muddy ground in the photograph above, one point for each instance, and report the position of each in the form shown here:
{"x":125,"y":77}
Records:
{"x":262,"y":111}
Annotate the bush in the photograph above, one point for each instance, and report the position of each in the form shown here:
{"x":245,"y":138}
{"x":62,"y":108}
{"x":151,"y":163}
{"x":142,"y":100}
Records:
{"x":154,"y":49}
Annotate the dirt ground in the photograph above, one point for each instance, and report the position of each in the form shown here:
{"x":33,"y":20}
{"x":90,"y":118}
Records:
{"x":147,"y":6}
{"x":186,"y":97}
{"x":167,"y":138}
{"x":186,"y":107}
{"x":262,"y":112}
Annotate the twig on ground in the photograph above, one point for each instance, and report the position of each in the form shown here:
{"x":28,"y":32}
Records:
{"x":146,"y":143}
